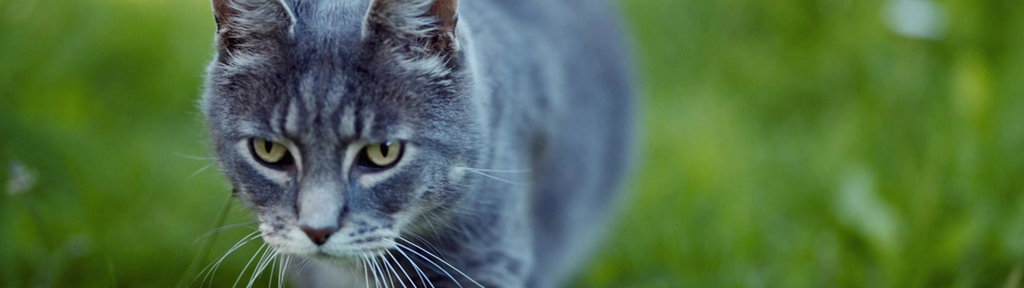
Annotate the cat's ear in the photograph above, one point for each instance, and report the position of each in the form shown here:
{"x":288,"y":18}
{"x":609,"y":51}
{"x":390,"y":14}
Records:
{"x":422,"y":26}
{"x":251,"y":25}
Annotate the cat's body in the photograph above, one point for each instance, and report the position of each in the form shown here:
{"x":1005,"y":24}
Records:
{"x":513,"y":117}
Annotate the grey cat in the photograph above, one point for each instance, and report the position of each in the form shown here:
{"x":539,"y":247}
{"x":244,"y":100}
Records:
{"x":424,"y":143}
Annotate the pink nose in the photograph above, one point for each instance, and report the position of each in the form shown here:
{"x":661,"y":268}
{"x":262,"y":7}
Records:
{"x":319,"y":236}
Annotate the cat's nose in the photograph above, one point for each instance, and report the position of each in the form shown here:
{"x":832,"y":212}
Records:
{"x":318,"y":235}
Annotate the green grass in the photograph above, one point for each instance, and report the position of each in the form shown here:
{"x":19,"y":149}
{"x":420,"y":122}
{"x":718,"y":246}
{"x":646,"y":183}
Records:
{"x":787,"y":144}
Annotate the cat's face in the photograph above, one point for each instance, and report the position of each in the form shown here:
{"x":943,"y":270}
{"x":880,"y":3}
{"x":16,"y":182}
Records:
{"x":339,"y":142}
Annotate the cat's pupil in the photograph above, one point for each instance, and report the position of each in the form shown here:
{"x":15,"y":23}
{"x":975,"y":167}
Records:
{"x":384,"y":150}
{"x":267,"y":147}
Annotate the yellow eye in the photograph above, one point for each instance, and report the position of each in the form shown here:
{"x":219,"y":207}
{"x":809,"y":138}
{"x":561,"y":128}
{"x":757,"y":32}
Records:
{"x":381,"y":155}
{"x":270,"y":152}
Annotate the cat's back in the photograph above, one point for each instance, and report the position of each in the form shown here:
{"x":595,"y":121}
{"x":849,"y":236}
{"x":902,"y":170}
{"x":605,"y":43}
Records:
{"x":567,"y":29}
{"x":561,"y":71}
{"x":563,"y":68}
{"x":549,"y":58}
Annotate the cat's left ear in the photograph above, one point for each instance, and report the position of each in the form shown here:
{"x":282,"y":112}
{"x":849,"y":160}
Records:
{"x":424,"y":26}
{"x":253,"y":26}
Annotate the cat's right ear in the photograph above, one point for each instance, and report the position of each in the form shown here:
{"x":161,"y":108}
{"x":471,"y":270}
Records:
{"x":251,"y":26}
{"x":423,"y":26}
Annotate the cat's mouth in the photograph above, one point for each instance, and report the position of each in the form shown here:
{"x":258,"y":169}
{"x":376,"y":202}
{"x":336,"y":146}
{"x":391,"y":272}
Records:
{"x":365,"y":248}
{"x":324,"y":255}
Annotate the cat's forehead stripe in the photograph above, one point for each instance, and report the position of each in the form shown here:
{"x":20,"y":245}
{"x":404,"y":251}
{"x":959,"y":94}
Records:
{"x":278,"y":117}
{"x":348,"y":120}
{"x":367,"y":124}
{"x":308,"y":92}
{"x":331,"y":100}
{"x":291,"y":123}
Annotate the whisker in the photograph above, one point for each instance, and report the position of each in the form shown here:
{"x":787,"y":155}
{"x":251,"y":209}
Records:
{"x":377,"y":270}
{"x":247,"y":264}
{"x":437,"y":267}
{"x":433,"y":227}
{"x":366,"y":270}
{"x":256,"y":268}
{"x":441,"y":260}
{"x":266,"y":260}
{"x":222,"y":229}
{"x":373,"y":271}
{"x":496,"y":178}
{"x":192,"y":157}
{"x":425,"y":242}
{"x":268,"y":265}
{"x":423,"y":276}
{"x":211,"y":269}
{"x":495,"y":170}
{"x":305,"y":265}
{"x":285,"y":261}
{"x":200,"y":171}
{"x":395,"y":271}
{"x":270,"y":276}
{"x":205,"y":248}
{"x":390,"y":271}
{"x":411,"y":282}
{"x":268,"y":257}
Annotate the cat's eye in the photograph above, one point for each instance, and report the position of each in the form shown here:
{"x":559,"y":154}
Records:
{"x":270,"y":152}
{"x":381,"y":156}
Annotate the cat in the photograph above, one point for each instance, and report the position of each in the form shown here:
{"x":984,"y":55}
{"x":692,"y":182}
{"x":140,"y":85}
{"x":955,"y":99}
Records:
{"x":424,"y":143}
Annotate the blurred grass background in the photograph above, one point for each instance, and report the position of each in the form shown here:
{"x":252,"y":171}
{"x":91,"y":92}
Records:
{"x":788,"y":143}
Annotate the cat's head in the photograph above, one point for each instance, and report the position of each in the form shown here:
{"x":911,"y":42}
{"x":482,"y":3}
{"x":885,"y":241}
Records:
{"x":342,"y":125}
